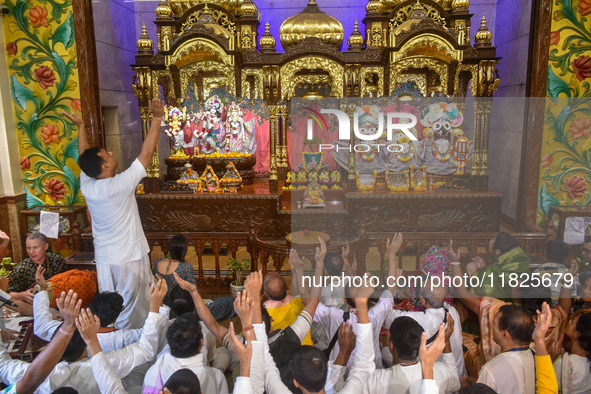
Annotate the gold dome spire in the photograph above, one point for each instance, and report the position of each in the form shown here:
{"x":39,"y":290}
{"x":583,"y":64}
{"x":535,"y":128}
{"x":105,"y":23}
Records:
{"x":144,"y":44}
{"x":249,"y":8}
{"x":267,"y":42}
{"x":460,"y":5}
{"x":356,"y":39}
{"x":311,"y":22}
{"x":163,"y":11}
{"x":180,"y":6}
{"x":483,"y":36}
{"x":374,"y":7}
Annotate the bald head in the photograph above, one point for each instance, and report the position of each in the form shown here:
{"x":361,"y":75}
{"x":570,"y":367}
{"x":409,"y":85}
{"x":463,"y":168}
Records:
{"x":434,"y":295}
{"x":275,"y":286}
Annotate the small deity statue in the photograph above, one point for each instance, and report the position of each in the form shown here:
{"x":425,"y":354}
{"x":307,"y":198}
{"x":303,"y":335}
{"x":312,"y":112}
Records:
{"x":209,"y":181}
{"x":212,"y":135}
{"x":239,"y":134}
{"x":175,"y":118}
{"x":313,"y":196}
{"x":188,"y":174}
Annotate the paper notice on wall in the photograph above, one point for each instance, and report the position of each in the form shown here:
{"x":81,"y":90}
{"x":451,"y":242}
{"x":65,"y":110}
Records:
{"x":49,"y":224}
{"x":574,"y":230}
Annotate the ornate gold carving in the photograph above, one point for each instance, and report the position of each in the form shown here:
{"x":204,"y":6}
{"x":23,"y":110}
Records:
{"x":376,"y":34}
{"x":181,"y":6}
{"x":194,"y":68}
{"x":365,"y":89}
{"x":204,"y":45}
{"x":258,"y":81}
{"x":488,"y":78}
{"x":289,"y":70}
{"x":156,"y":74}
{"x":246,"y":39}
{"x":153,"y":169}
{"x":428,"y":41}
{"x":473,"y":69}
{"x":220,"y":17}
{"x":404,"y":14}
{"x":211,"y":83}
{"x":440,"y":68}
{"x":142,"y":83}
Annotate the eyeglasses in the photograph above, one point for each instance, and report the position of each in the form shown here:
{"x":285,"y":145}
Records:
{"x":585,"y":250}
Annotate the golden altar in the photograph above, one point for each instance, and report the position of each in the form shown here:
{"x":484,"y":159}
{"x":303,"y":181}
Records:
{"x":408,"y":48}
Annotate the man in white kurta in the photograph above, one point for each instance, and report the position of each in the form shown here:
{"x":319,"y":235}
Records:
{"x":120,"y":246}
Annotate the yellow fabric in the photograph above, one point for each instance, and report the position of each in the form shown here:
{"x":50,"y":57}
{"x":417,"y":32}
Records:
{"x":546,"y":382}
{"x":286,"y":315}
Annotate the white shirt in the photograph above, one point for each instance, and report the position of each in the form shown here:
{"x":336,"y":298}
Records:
{"x":45,"y":326}
{"x":109,"y":382}
{"x":430,"y":321}
{"x":212,"y":380}
{"x":331,"y":319}
{"x":363,"y":362}
{"x":116,"y":226}
{"x":510,"y":373}
{"x":79,"y":375}
{"x":573,"y":374}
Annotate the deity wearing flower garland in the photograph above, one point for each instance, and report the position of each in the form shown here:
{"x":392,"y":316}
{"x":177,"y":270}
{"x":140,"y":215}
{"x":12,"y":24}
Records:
{"x":240,"y":136}
{"x":211,"y":137}
{"x":175,"y":118}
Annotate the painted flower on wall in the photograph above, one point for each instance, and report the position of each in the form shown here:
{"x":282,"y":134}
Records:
{"x":25,"y":163}
{"x":547,"y":160}
{"x":585,"y":7}
{"x":575,"y":186}
{"x":55,"y":188}
{"x":11,"y":48}
{"x":582,"y":65}
{"x":50,"y":133}
{"x":45,"y":76}
{"x":76,"y":105}
{"x":554,"y":37}
{"x":581,"y":127}
{"x":38,"y":16}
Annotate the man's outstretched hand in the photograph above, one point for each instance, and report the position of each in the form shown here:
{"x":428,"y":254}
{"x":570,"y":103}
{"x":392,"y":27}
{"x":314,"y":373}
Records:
{"x":156,"y":107}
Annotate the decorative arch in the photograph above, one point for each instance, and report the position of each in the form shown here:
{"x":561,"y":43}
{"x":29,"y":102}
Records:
{"x":194,"y":68}
{"x":428,"y":40}
{"x":288,"y":71}
{"x":439,"y":67}
{"x":205,"y":45}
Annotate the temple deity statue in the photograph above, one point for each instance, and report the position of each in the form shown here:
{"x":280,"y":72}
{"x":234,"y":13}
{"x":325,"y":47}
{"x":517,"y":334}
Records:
{"x":211,"y":133}
{"x":240,"y":136}
{"x":442,"y":138}
{"x":175,"y":118}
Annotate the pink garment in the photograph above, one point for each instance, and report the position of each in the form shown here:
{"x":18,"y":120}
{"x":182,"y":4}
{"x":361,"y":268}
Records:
{"x":262,"y":135}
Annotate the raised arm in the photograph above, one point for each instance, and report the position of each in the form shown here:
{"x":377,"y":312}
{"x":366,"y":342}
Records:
{"x":393,"y":247}
{"x":4,"y":241}
{"x":565,"y":299}
{"x":157,"y":108}
{"x":316,"y":291}
{"x":82,"y":137}
{"x":202,"y":310}
{"x":254,"y":285}
{"x":345,"y":255}
{"x":297,"y":272}
{"x":42,"y":366}
{"x":469,"y":299}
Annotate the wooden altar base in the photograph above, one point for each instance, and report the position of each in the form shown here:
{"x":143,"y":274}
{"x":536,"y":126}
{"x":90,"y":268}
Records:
{"x":273,"y":214}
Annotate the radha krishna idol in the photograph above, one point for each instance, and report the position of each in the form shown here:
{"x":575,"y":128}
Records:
{"x":240,"y":137}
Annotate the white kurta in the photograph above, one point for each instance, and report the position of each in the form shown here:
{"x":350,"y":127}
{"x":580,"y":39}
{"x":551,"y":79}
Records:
{"x":120,"y":246}
{"x":331,"y":318}
{"x":362,"y":364}
{"x":510,"y":373}
{"x":45,"y":326}
{"x":573,"y":373}
{"x":430,"y":320}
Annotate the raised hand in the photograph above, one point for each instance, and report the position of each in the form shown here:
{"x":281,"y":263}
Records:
{"x":69,"y":307}
{"x":88,"y":325}
{"x":394,"y":245}
{"x":183,"y":284}
{"x":543,"y":325}
{"x":295,"y":262}
{"x":347,"y":338}
{"x":454,"y":255}
{"x":574,"y":268}
{"x":320,"y":251}
{"x":429,"y":355}
{"x":39,"y":277}
{"x":156,"y":106}
{"x":77,"y":120}
{"x":243,"y":306}
{"x":254,"y":285}
{"x":450,"y":327}
{"x":346,"y":251}
{"x":157,"y":294}
{"x":243,"y":352}
{"x":4,"y":239}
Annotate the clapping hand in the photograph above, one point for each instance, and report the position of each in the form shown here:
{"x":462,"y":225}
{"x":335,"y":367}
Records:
{"x":454,"y":255}
{"x":183,"y":284}
{"x":243,"y":352}
{"x":254,"y":285}
{"x":296,"y":264}
{"x":320,"y":251}
{"x":157,"y":294}
{"x":429,"y":355}
{"x":243,"y":306}
{"x":40,"y":278}
{"x":69,"y":307}
{"x":88,"y":325}
{"x":394,"y":245}
{"x":347,"y":338}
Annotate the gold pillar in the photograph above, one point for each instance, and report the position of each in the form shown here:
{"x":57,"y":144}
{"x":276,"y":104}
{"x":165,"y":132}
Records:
{"x":482,"y":107}
{"x":349,"y":109}
{"x":274,"y":141}
{"x":283,"y":162}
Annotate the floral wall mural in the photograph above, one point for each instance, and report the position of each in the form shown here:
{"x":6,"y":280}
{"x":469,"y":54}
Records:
{"x":565,"y":170}
{"x":41,"y":57}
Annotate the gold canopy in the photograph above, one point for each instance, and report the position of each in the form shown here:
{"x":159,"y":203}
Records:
{"x":311,"y":22}
{"x":180,"y":6}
